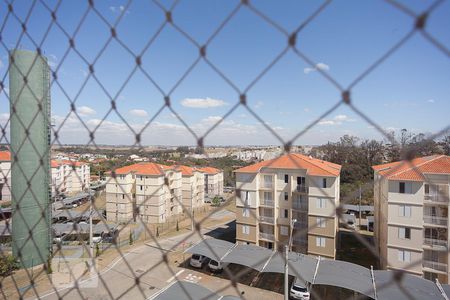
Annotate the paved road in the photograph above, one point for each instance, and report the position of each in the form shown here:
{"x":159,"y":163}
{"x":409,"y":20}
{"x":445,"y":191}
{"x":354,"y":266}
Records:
{"x":118,"y":279}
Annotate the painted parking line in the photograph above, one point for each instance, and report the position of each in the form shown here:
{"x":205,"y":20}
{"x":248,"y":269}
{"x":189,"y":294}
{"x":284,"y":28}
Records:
{"x":175,"y":276}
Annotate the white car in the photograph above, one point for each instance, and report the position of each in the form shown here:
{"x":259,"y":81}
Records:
{"x":299,"y":290}
{"x":197,"y":260}
{"x":215,"y":266}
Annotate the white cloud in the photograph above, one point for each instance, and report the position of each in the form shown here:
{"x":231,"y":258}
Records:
{"x":212,"y":119}
{"x":52,"y":60}
{"x":118,"y":9}
{"x":85,"y":111}
{"x":430,"y":101}
{"x":202,"y":102}
{"x":259,"y":104}
{"x":319,"y":66}
{"x":138,"y":113}
{"x":337,"y":120}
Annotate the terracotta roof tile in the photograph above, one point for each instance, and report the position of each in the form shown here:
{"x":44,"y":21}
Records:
{"x":210,"y":170}
{"x":5,"y":156}
{"x":314,"y":166}
{"x":414,"y":170}
{"x":145,"y":168}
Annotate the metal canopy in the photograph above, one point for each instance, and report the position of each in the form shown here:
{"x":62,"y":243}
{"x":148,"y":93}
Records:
{"x":249,"y":255}
{"x":329,"y":272}
{"x":346,"y":275}
{"x":408,"y":287}
{"x":300,"y":265}
{"x":211,"y":248}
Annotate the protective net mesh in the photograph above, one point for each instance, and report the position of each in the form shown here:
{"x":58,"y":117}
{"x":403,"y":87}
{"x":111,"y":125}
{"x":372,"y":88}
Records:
{"x":119,"y":268}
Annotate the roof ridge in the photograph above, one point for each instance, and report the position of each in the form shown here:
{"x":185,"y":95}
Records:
{"x":419,"y":165}
{"x":315,"y":164}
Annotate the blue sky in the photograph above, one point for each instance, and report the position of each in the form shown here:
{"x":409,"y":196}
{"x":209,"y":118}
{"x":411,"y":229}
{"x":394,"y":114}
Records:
{"x":409,"y":90}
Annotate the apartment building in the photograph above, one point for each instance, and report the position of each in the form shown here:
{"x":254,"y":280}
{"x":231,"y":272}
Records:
{"x":281,"y":198}
{"x":411,"y":216}
{"x":69,"y":177}
{"x":213,"y":181}
{"x":5,"y":176}
{"x":193,"y":187}
{"x":150,"y":190}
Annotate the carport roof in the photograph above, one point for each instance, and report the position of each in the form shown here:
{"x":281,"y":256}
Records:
{"x":249,"y":255}
{"x":300,"y":265}
{"x":211,"y":248}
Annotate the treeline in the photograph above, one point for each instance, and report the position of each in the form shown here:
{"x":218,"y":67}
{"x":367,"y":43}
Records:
{"x":357,"y":156}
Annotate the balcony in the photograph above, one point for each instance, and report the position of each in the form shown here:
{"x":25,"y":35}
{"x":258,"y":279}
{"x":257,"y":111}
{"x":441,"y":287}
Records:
{"x":436,"y":266}
{"x":267,"y":202}
{"x":434,"y":220}
{"x":436,"y":244}
{"x":267,"y":236}
{"x":301,"y":188}
{"x":300,"y":205}
{"x":266,"y":219}
{"x":435,"y":198}
{"x":267,"y":185}
{"x":299,"y":242}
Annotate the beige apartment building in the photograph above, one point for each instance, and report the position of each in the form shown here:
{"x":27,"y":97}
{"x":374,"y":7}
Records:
{"x":5,"y":176}
{"x":150,"y":190}
{"x":213,"y":181}
{"x":193,"y":187}
{"x":69,"y":177}
{"x":411,"y":216}
{"x":281,"y":198}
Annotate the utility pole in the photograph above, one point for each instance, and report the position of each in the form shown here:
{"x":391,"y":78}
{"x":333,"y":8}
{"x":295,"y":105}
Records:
{"x":91,"y":243}
{"x":286,"y":274}
{"x":360,"y":207}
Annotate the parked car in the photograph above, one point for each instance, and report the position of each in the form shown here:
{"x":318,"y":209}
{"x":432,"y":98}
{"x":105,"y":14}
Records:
{"x":197,"y":260}
{"x":215,"y":266}
{"x":299,"y":290}
{"x":207,"y":200}
{"x":96,"y":239}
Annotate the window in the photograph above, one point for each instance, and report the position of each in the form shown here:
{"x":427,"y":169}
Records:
{"x":123,"y":196}
{"x":283,"y":230}
{"x":245,"y":198}
{"x":321,"y":203}
{"x":404,"y":233}
{"x":427,"y":189}
{"x":267,"y":196}
{"x":245,"y":229}
{"x":140,"y":187}
{"x":324,"y":183}
{"x":404,"y":211}
{"x":286,"y":196}
{"x":404,"y":255}
{"x":246,"y":212}
{"x":286,"y":178}
{"x":405,"y":187}
{"x":320,"y":242}
{"x":401,"y":187}
{"x":286,"y":213}
{"x":267,"y":180}
{"x":321,"y":222}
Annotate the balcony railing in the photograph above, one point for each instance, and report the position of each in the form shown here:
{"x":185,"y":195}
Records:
{"x":267,"y":202}
{"x":299,"y":242}
{"x":435,"y":265}
{"x":302,"y":188}
{"x":436,"y":198}
{"x":435,"y":243}
{"x":434,"y":220}
{"x":266,"y":219}
{"x":266,"y":236}
{"x":300,"y":205}
{"x":267,"y":185}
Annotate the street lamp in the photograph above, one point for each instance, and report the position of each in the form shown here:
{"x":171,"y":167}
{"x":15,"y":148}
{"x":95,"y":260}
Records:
{"x":288,"y":248}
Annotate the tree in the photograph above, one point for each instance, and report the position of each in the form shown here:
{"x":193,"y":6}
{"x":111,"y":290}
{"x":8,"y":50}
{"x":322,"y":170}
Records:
{"x":216,"y":201}
{"x":131,"y":238}
{"x":7,"y":265}
{"x":445,"y":145}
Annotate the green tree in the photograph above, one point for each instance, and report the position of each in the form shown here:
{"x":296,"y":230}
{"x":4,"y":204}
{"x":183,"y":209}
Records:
{"x":216,"y":201}
{"x":7,"y":265}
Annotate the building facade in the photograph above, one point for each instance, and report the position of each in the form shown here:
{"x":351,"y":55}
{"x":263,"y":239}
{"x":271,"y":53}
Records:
{"x":213,"y":181}
{"x":69,"y":177}
{"x":5,"y":176}
{"x":150,"y":190}
{"x":193,"y":187}
{"x":411,"y":216}
{"x":280,"y":199}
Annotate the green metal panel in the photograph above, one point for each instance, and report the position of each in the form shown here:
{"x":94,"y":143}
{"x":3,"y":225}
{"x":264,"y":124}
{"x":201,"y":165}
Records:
{"x":30,"y":154}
